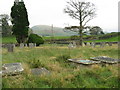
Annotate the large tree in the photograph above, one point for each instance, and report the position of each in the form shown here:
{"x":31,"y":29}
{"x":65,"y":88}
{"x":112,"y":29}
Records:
{"x":6,"y":30}
{"x":83,"y":12}
{"x":20,"y":21}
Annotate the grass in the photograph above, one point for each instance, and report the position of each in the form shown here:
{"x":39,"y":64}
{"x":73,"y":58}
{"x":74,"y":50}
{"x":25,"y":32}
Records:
{"x":8,"y":39}
{"x":113,"y":39}
{"x":64,"y":74}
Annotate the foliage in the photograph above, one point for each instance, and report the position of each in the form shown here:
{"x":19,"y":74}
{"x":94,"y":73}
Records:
{"x":6,"y":29}
{"x":34,"y":38}
{"x":20,"y":22}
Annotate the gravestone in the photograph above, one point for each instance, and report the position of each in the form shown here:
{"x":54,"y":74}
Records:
{"x":70,"y":46}
{"x":40,"y":71}
{"x":93,"y":44}
{"x":102,"y":44}
{"x":84,"y":62}
{"x":10,"y":47}
{"x":13,"y":45}
{"x":83,"y":44}
{"x":110,"y":43}
{"x":12,"y":69}
{"x":74,"y":44}
{"x":105,"y":59}
{"x":21,"y":45}
{"x":34,"y":44}
{"x":88,"y":44}
{"x":119,"y":44}
{"x":31,"y":45}
{"x":26,"y":45}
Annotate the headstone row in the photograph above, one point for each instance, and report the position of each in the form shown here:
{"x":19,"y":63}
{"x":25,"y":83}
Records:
{"x":31,"y":45}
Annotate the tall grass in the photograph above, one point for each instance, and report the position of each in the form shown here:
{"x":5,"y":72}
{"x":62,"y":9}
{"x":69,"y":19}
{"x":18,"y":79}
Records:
{"x":64,"y":74}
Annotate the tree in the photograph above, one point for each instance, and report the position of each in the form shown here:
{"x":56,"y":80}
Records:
{"x":83,"y":12}
{"x":96,"y":30}
{"x":20,"y":21}
{"x":6,"y":30}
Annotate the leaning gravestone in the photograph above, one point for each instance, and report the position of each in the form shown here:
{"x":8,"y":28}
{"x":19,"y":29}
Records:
{"x":21,"y":45}
{"x":40,"y":71}
{"x":10,"y":47}
{"x":11,"y":69}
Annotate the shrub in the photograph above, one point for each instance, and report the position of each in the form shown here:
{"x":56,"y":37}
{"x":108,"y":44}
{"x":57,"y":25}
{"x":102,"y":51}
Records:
{"x":34,"y":38}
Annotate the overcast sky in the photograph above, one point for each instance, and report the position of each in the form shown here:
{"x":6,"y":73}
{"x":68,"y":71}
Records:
{"x":48,"y":12}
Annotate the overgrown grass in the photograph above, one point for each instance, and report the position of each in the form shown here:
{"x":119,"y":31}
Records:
{"x":64,"y":74}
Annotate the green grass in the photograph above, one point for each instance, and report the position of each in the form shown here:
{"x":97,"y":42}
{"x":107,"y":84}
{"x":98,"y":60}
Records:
{"x":64,"y":74}
{"x":9,"y":39}
{"x":113,"y":39}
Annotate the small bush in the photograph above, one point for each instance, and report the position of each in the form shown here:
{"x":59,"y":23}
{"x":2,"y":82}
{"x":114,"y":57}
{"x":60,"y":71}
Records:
{"x":34,"y":38}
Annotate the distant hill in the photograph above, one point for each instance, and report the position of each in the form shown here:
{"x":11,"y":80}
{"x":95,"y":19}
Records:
{"x":46,"y":30}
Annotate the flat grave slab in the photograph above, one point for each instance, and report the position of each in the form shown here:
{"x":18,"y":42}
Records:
{"x":85,"y":62}
{"x":105,"y":59}
{"x":40,"y":71}
{"x":11,"y":69}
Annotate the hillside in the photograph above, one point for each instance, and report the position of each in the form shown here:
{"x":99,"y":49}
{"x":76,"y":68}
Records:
{"x":45,"y":30}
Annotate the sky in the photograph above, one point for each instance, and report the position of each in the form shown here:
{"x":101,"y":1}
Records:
{"x":48,"y":12}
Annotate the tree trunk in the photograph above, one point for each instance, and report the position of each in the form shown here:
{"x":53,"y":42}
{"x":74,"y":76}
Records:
{"x":80,"y":33}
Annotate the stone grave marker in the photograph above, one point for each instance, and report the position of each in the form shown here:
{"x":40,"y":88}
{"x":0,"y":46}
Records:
{"x":83,"y":44}
{"x":13,"y":45}
{"x":34,"y":44}
{"x":31,"y":45}
{"x":110,"y":43}
{"x":11,"y":69}
{"x":105,"y":59}
{"x":93,"y":44}
{"x":74,"y":44}
{"x":21,"y":45}
{"x":102,"y":44}
{"x":88,"y":44}
{"x":70,"y":46}
{"x":26,"y":45}
{"x":10,"y":47}
{"x":40,"y":71}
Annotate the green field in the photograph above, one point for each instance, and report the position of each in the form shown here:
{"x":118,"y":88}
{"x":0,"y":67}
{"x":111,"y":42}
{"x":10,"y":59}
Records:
{"x":64,"y":74}
{"x":13,"y":39}
{"x":9,"y":39}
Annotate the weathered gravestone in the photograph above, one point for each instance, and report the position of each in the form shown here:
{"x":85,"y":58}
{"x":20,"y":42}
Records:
{"x":74,"y":44}
{"x":70,"y":46}
{"x":40,"y":71}
{"x":84,"y":62}
{"x":10,"y":47}
{"x":21,"y":45}
{"x":105,"y":59}
{"x":83,"y":44}
{"x":110,"y":43}
{"x":31,"y":45}
{"x":34,"y":44}
{"x":11,"y":69}
{"x":26,"y":45}
{"x":102,"y":44}
{"x":88,"y":44}
{"x":93,"y":44}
